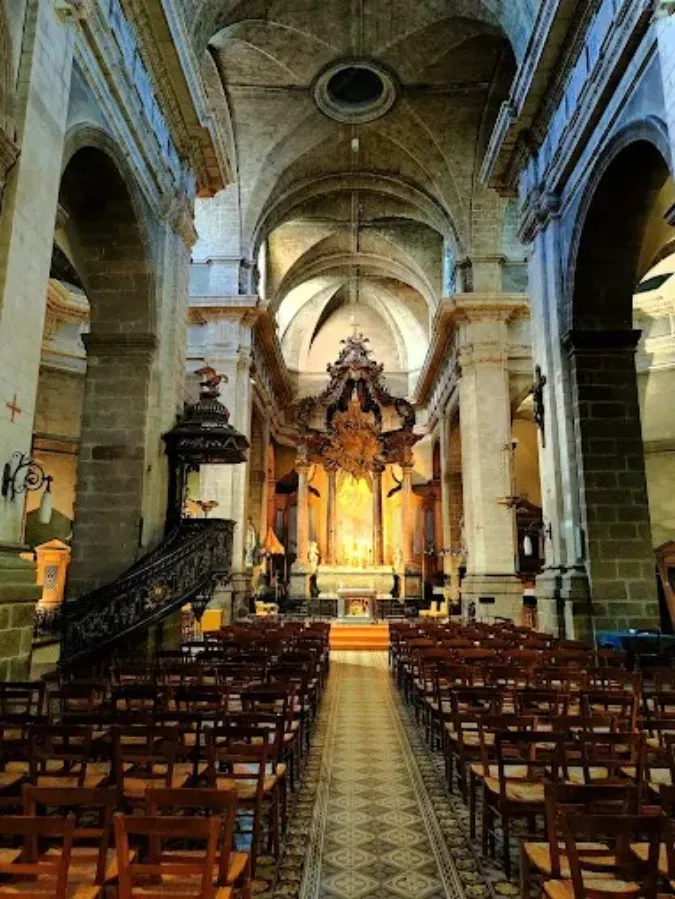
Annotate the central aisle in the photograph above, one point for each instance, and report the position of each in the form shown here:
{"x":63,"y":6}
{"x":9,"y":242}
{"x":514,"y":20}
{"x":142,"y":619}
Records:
{"x":374,"y":833}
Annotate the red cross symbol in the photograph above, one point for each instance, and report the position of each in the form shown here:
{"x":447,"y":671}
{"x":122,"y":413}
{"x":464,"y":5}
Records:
{"x":14,"y":408}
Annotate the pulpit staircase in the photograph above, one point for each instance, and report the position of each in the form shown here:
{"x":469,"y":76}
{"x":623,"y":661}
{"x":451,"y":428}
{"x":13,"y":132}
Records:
{"x":183,"y":568}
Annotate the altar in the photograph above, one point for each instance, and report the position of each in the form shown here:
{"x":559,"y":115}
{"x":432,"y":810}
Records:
{"x":355,"y":603}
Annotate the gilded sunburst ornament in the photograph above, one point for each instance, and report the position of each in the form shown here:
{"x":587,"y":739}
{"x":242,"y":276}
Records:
{"x":355,"y":445}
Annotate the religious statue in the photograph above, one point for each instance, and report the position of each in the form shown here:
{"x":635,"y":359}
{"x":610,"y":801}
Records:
{"x":313,"y":556}
{"x":251,"y":545}
{"x":537,"y":394}
{"x":398,"y":559}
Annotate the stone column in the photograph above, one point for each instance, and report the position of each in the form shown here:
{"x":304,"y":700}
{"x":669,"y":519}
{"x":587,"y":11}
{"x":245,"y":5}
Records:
{"x":302,"y":468}
{"x":331,"y":512}
{"x":446,"y":496}
{"x":112,"y":465}
{"x":407,"y":515}
{"x":610,"y":458}
{"x":485,"y":420}
{"x":377,"y":517}
{"x":299,"y":582}
{"x":29,"y":186}
{"x":562,"y":587}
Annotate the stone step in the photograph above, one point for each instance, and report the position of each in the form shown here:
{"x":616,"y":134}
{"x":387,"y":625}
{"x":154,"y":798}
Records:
{"x":359,"y":636}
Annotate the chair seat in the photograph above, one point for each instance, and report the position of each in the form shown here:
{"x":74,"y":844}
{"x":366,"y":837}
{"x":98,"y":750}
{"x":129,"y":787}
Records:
{"x":517,"y":791}
{"x":9,"y":779}
{"x":539,"y":855}
{"x":575,"y":775}
{"x":470,"y":737}
{"x":515,"y":772}
{"x":84,"y":861}
{"x":238,"y":862}
{"x":92,"y":781}
{"x":135,"y":787}
{"x":563,"y":889}
{"x":246,"y":789}
{"x":641,"y":850}
{"x":658,"y":777}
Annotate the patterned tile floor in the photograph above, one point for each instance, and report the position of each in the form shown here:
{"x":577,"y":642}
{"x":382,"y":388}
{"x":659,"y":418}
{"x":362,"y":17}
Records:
{"x":373,"y":819}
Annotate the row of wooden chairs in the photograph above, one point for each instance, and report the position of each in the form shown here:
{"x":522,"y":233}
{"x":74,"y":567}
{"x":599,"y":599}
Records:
{"x":509,"y":738}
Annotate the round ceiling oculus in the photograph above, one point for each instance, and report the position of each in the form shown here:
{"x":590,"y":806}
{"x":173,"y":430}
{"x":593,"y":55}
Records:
{"x":354,"y":91}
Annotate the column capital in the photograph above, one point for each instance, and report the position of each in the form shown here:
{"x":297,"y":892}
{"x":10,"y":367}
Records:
{"x":468,"y":308}
{"x":177,"y":209}
{"x":588,"y":341}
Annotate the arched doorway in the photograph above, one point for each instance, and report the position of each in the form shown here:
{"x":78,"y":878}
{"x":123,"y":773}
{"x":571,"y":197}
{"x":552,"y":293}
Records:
{"x":102,"y":234}
{"x":612,"y":257}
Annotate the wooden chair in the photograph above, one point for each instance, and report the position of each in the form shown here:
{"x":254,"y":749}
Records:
{"x":23,"y":872}
{"x":548,"y":859}
{"x":523,"y":759}
{"x":155,"y":873}
{"x":605,"y":758}
{"x":234,"y":867}
{"x":616,"y":832}
{"x":93,"y":860}
{"x":245,"y":767}
{"x":60,"y":756}
{"x":145,"y":757}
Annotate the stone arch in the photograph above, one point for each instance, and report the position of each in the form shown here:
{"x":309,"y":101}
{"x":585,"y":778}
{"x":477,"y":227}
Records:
{"x":648,"y":137}
{"x":105,"y":231}
{"x":618,"y":205}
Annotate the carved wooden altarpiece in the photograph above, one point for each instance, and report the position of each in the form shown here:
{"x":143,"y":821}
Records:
{"x":356,"y":424}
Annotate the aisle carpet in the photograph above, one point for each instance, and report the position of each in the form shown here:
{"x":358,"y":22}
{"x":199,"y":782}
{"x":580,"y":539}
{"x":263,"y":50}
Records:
{"x":373,"y":819}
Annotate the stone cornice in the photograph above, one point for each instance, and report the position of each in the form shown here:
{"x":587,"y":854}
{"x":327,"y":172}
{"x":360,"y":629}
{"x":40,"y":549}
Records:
{"x":247,"y":307}
{"x":169,"y":57}
{"x":516,"y":114}
{"x":64,"y":305}
{"x":452,"y":311}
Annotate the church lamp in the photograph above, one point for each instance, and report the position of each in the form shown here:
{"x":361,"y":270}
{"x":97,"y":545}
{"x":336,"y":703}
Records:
{"x":22,"y":474}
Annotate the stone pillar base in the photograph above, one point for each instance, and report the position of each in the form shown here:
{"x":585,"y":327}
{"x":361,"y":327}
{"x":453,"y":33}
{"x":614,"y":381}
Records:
{"x":506,"y":589}
{"x":240,"y":587}
{"x":222,"y":601}
{"x":411,"y":583}
{"x":298,"y":587}
{"x":563,"y":604}
{"x":18,"y":596}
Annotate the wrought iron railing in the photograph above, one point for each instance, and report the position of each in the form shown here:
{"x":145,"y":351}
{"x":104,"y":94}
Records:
{"x":196,"y":556}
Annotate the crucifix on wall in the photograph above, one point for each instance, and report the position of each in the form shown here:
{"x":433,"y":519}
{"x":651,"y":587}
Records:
{"x":14,"y":408}
{"x":537,"y":394}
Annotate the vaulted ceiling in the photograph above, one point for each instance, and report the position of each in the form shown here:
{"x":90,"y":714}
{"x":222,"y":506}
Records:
{"x":360,"y":211}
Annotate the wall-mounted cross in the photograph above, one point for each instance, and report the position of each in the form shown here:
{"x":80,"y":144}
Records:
{"x":14,"y":408}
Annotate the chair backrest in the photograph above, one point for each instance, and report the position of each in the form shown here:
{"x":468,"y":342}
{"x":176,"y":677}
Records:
{"x":611,"y":752}
{"x":52,"y":869}
{"x":158,"y":863}
{"x":82,"y":804}
{"x":22,"y":697}
{"x":587,"y":799}
{"x":540,"y":754}
{"x":150,"y":751}
{"x":67,"y":744}
{"x":243,"y":765}
{"x":619,"y":832}
{"x":222,"y":803}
